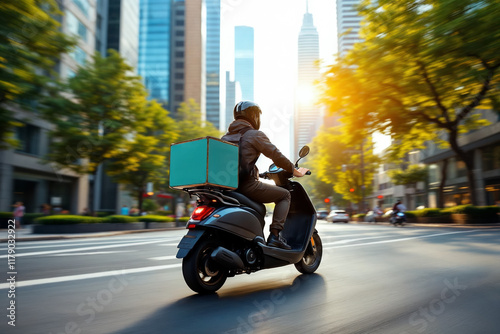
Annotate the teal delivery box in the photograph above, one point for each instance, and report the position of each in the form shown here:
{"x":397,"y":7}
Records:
{"x":203,"y":162}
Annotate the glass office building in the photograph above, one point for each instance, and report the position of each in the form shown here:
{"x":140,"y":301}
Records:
{"x":154,"y":48}
{"x":244,"y":60}
{"x":213,"y":62}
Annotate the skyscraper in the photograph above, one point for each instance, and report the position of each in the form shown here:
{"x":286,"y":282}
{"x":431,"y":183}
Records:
{"x":348,"y":24}
{"x":233,"y":94}
{"x":307,"y":115}
{"x":244,"y":60}
{"x":177,"y":56}
{"x":154,"y":48}
{"x":194,"y":55}
{"x":123,"y":29}
{"x":213,"y":62}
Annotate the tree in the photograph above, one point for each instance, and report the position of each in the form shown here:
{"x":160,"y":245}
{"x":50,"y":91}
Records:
{"x":144,"y":157}
{"x":412,"y":175}
{"x":30,"y":44}
{"x":331,"y":151}
{"x":422,"y":70}
{"x":94,"y":113}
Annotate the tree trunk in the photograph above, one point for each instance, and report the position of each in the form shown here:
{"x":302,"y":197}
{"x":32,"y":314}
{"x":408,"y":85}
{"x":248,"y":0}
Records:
{"x":140,"y":200}
{"x":469,"y":164}
{"x":444,"y":170}
{"x":90,"y":205}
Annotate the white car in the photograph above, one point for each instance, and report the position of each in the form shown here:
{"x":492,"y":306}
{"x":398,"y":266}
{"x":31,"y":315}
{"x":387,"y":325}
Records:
{"x":337,"y":216}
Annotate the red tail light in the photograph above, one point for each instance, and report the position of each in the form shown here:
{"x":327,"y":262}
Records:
{"x":201,"y":212}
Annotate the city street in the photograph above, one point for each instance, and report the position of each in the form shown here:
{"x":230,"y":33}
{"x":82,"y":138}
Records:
{"x":373,"y":279}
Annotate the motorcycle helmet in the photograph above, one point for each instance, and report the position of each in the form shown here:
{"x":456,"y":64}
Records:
{"x":249,"y":111}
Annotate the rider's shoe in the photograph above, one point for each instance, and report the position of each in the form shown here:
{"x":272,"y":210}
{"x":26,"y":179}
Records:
{"x":277,"y":241}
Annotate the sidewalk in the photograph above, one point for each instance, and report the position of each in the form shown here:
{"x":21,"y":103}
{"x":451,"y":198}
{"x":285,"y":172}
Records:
{"x":496,"y":225}
{"x":25,"y":234}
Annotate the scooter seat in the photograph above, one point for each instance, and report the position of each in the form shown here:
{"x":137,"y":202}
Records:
{"x":258,"y":207}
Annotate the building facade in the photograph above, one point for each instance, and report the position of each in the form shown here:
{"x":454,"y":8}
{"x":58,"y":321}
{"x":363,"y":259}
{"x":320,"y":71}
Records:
{"x":177,"y":52}
{"x":233,"y":95}
{"x":154,"y":48}
{"x":213,"y":10}
{"x":348,"y":25}
{"x":244,"y":60}
{"x":307,"y":114}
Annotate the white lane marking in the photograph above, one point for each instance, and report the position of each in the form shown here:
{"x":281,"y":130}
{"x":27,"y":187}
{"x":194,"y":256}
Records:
{"x":162,"y":258}
{"x":81,"y":249}
{"x":398,"y":240}
{"x":91,"y":253}
{"x":169,"y":244}
{"x":351,"y":240}
{"x":82,"y":243}
{"x":60,"y":279}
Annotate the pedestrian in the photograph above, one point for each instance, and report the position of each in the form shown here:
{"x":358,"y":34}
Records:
{"x":19,"y":213}
{"x":244,"y":131}
{"x":124,"y":210}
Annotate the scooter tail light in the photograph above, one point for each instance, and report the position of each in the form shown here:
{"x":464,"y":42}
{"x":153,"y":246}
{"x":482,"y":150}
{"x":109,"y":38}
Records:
{"x":201,"y":212}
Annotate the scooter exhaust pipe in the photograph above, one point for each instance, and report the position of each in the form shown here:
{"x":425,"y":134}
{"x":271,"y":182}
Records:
{"x":227,"y":258}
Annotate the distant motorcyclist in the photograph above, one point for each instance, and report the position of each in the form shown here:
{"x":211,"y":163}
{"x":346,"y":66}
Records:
{"x":398,"y":207}
{"x":244,"y":131}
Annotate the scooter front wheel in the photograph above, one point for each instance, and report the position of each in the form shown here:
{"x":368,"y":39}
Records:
{"x":201,"y":273}
{"x":312,"y":257}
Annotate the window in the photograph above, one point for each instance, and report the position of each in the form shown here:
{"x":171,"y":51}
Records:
{"x":79,"y":55}
{"x":83,"y":5}
{"x":491,"y":157}
{"x":29,"y":139}
{"x":74,"y":26}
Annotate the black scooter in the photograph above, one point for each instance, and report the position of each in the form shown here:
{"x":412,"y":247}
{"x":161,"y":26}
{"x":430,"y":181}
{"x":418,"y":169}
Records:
{"x":226,"y":237}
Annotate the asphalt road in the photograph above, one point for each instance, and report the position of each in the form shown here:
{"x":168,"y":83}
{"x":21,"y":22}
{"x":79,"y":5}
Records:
{"x":373,"y":279}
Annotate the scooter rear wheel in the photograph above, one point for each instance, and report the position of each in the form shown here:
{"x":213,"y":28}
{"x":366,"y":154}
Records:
{"x":201,"y":273}
{"x":312,"y":257}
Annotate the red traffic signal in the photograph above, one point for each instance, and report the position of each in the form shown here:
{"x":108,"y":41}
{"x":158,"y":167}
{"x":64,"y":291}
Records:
{"x":380,"y":196}
{"x":351,"y":190}
{"x":327,"y":200}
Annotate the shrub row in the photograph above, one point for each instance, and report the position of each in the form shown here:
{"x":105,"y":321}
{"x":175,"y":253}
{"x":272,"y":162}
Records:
{"x":470,"y":210}
{"x":73,"y":219}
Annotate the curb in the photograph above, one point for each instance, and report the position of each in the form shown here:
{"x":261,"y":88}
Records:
{"x":82,"y":236}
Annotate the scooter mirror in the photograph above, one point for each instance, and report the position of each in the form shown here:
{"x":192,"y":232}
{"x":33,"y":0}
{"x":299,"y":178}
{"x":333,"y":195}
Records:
{"x":304,"y":151}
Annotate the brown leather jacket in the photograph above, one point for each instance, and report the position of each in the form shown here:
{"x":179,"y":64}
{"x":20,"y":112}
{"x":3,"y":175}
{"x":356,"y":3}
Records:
{"x":252,"y":144}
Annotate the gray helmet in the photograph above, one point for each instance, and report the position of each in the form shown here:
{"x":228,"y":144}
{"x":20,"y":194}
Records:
{"x":249,"y":111}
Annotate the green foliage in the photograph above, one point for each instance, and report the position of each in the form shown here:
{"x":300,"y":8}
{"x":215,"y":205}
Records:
{"x":183,"y":219}
{"x":120,"y":219}
{"x":474,"y":211}
{"x":429,"y":212}
{"x":149,"y":205}
{"x":330,"y":150}
{"x":163,"y":213}
{"x":95,"y":113}
{"x":68,"y":220}
{"x":412,"y":175}
{"x":419,"y":74}
{"x":156,"y":219}
{"x":359,"y":215}
{"x":30,"y":44}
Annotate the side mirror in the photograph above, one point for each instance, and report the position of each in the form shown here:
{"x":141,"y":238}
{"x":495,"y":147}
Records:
{"x":304,"y":151}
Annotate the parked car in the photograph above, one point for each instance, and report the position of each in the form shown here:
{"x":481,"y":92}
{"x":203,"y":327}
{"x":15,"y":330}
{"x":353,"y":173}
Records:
{"x":338,"y":216}
{"x":370,"y":217}
{"x":322,"y":214}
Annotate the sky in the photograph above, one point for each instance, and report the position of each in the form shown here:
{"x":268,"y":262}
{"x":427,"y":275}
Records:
{"x":276,"y":26}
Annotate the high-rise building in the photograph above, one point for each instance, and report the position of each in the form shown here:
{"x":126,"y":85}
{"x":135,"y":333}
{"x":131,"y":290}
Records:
{"x":23,"y":176}
{"x":348,"y":25}
{"x":244,"y":60}
{"x":194,"y":55}
{"x":154,"y":48}
{"x":307,"y":114}
{"x":123,"y":29}
{"x":177,"y":56}
{"x":233,"y":95}
{"x":213,"y":62}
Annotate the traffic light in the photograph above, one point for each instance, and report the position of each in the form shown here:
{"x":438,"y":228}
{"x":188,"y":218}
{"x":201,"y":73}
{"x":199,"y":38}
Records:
{"x":327,"y":200}
{"x":380,"y":196}
{"x":351,"y":190}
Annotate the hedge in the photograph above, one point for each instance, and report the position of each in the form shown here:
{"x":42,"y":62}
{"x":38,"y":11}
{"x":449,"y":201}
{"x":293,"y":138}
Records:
{"x":156,"y":219}
{"x":120,"y":219}
{"x":68,"y":220}
{"x":474,"y":211}
{"x":430,"y":212}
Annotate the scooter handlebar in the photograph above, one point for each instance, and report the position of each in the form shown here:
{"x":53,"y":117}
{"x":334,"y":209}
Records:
{"x":308,"y":172}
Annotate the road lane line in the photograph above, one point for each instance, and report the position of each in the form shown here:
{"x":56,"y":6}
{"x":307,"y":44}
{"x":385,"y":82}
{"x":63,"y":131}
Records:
{"x":82,"y":249}
{"x":89,"y":276}
{"x":162,"y":258}
{"x":91,"y":253}
{"x":351,"y":240}
{"x":398,"y":240}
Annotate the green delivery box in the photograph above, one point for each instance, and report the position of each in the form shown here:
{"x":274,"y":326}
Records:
{"x":203,"y":162}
